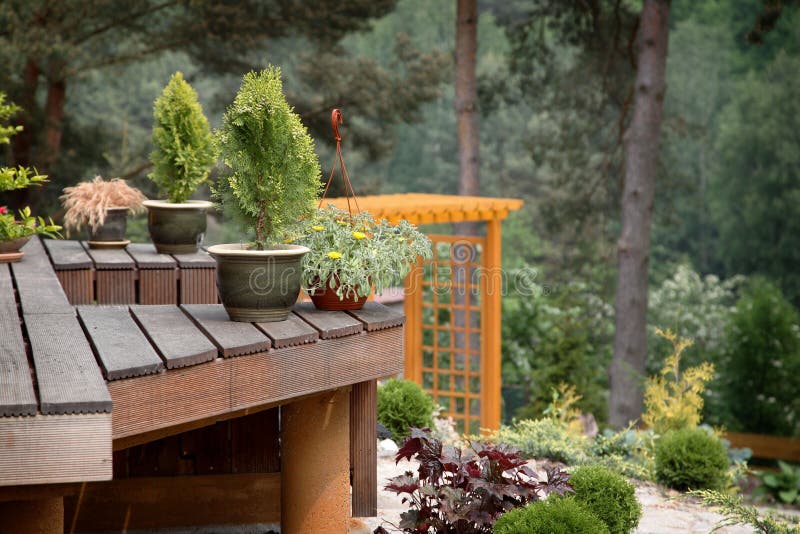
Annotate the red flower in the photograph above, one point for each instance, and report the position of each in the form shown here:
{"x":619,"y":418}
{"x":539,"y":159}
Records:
{"x":3,"y":210}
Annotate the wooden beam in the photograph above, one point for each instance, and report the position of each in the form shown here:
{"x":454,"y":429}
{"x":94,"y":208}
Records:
{"x":491,"y":310}
{"x":51,"y":449}
{"x":771,"y":447}
{"x":170,"y":502}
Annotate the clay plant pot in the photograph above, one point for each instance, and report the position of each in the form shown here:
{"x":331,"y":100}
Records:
{"x":110,"y":234}
{"x":10,"y":250}
{"x":177,"y":228}
{"x":258,"y":285}
{"x":325,"y":298}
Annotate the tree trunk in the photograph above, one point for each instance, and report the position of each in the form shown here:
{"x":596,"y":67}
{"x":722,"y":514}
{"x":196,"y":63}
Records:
{"x":641,"y":161}
{"x":466,"y":99}
{"x":53,"y":123}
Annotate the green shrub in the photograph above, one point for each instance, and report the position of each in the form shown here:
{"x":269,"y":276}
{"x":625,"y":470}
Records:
{"x":184,"y":149}
{"x":764,"y":336}
{"x":544,"y":438}
{"x":556,"y":515}
{"x":553,"y":338}
{"x":691,"y":458}
{"x":609,"y":496}
{"x":402,"y":404}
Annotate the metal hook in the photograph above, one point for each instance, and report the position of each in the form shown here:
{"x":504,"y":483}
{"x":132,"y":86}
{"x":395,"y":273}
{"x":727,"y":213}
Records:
{"x":336,"y":120}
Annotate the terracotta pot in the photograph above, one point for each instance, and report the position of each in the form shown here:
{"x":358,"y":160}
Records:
{"x":10,"y":250}
{"x":325,"y":298}
{"x":177,"y":228}
{"x":258,"y":285}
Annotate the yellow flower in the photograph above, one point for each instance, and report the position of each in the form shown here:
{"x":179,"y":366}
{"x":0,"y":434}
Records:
{"x":359,"y":235}
{"x":334,"y":255}
{"x":287,"y":241}
{"x":341,"y":223}
{"x":318,"y":228}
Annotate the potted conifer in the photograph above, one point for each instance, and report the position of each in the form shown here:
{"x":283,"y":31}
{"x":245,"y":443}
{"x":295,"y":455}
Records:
{"x":103,"y":206}
{"x":182,"y":157}
{"x":272,"y":182}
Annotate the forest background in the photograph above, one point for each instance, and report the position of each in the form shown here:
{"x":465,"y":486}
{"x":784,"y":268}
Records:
{"x":554,"y":87}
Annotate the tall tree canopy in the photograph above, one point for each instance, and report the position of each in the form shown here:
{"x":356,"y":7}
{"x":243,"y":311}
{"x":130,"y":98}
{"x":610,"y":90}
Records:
{"x":49,"y":46}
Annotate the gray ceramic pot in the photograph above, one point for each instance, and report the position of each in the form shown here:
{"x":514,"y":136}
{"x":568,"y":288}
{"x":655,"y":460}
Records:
{"x":258,"y":285}
{"x":177,"y":228}
{"x":113,"y":227}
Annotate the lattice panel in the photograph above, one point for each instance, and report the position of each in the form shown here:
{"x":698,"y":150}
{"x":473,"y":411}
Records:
{"x":451,"y":328}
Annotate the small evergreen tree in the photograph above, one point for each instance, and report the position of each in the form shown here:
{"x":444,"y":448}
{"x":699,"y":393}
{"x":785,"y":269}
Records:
{"x":274,"y":173}
{"x":184,"y":147}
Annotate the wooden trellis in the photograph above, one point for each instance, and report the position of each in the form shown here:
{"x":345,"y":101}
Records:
{"x":453,"y":303}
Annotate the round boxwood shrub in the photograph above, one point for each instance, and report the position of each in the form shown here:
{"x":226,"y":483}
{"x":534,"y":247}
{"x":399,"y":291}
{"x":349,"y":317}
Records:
{"x":556,"y":515}
{"x":609,"y":496}
{"x":401,"y":404}
{"x":691,"y":458}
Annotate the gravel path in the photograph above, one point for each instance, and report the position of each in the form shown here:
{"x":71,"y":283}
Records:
{"x":663,"y":513}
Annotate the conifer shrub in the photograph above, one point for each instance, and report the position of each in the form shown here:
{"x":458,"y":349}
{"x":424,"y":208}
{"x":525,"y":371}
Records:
{"x":403,"y":404}
{"x":556,"y":515}
{"x":691,"y":458}
{"x":544,"y":438}
{"x":184,"y":150}
{"x":609,"y":496}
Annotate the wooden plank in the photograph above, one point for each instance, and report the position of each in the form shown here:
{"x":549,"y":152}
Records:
{"x":227,"y":385}
{"x":156,"y":503}
{"x":78,"y":285}
{"x":109,"y":258}
{"x":67,"y":255}
{"x":255,"y":443}
{"x":363,"y":448}
{"x":122,"y":348}
{"x":49,"y":449}
{"x":146,"y":257}
{"x":42,"y":295}
{"x":197,"y":260}
{"x":116,"y":286}
{"x":231,"y":338}
{"x":330,"y":324}
{"x":35,"y":263}
{"x":67,"y":374}
{"x":174,"y":336}
{"x":157,"y":286}
{"x":198,"y":286}
{"x":377,"y":316}
{"x":763,"y":446}
{"x":17,"y":396}
{"x":292,"y":331}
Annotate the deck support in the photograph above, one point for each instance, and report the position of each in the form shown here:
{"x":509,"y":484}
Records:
{"x":45,"y":516}
{"x":315,"y":464}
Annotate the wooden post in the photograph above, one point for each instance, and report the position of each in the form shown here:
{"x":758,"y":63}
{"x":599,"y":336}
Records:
{"x":315,"y":470}
{"x":363,"y":448}
{"x":491,"y":306}
{"x":45,"y":516}
{"x":412,"y":307}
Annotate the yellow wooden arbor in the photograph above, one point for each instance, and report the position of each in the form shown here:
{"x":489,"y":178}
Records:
{"x":453,"y":303}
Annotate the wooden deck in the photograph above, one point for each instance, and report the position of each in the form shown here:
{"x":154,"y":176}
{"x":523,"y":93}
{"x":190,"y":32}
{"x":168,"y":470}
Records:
{"x":79,"y":382}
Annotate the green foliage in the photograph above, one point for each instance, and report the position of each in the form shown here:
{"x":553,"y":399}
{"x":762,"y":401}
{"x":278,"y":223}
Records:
{"x":783,"y":485}
{"x":756,"y":187}
{"x":691,"y":458}
{"x":15,"y":179}
{"x":554,"y":335}
{"x":674,"y":399}
{"x":761,"y":366}
{"x":609,"y":496}
{"x":544,"y":438}
{"x":556,"y":515}
{"x":736,"y":513}
{"x":358,"y":251}
{"x":628,"y":452}
{"x":184,"y":147}
{"x":403,"y":404}
{"x":274,"y":174}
